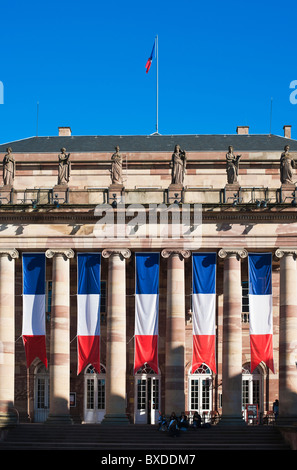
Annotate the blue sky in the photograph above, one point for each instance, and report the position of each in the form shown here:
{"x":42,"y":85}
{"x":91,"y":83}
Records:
{"x":220,"y":63}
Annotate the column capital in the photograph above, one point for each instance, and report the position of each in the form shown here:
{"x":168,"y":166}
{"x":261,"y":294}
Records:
{"x":68,"y":253}
{"x":12,"y":252}
{"x":281,"y":252}
{"x":238,"y":252}
{"x":122,"y":252}
{"x":166,"y":253}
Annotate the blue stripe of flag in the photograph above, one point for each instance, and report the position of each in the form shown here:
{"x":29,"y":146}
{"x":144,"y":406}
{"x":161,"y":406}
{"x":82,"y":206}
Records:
{"x":260,"y":273}
{"x":204,"y":273}
{"x":152,"y":53}
{"x":147,"y":273}
{"x":34,"y":273}
{"x":88,"y":266}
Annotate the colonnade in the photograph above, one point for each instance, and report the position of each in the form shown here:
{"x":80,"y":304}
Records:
{"x":175,"y":334}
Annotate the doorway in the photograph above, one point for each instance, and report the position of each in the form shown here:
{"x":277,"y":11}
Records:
{"x":147,"y":393}
{"x":94,"y":396}
{"x":41,"y":394}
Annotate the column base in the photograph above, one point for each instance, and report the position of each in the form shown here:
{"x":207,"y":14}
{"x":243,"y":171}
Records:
{"x":115,"y":419}
{"x":232,"y":421}
{"x":59,"y":419}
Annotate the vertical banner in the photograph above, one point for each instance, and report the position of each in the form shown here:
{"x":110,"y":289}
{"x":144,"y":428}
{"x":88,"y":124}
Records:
{"x":88,"y":310}
{"x":33,"y":328}
{"x":204,"y":310}
{"x":260,"y":307}
{"x":146,"y":310}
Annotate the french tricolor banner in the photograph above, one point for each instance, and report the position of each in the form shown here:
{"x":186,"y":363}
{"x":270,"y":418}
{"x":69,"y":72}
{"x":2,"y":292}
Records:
{"x":88,"y":310}
{"x":33,"y":328}
{"x":260,"y":309}
{"x":149,"y":61}
{"x":204,"y":310}
{"x":146,"y":310}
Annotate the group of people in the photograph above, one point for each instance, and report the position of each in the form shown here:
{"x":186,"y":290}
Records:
{"x":176,"y":424}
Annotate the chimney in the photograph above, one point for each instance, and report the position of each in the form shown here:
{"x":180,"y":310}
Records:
{"x":64,"y":131}
{"x":287,"y":132}
{"x":242,"y":130}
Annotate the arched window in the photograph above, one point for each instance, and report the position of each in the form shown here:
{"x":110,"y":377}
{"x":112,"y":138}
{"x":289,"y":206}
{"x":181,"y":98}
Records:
{"x":147,"y":393}
{"x":94,"y":409}
{"x":200,"y":390}
{"x":252,"y":387}
{"x":41,"y":393}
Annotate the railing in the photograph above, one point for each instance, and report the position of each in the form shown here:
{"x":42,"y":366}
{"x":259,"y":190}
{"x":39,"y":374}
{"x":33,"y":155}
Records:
{"x":253,"y":198}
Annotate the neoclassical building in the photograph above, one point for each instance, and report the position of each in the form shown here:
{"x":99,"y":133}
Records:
{"x":124,"y":199}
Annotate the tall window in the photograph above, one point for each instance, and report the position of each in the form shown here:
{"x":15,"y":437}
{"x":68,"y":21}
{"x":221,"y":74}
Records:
{"x":245,"y":302}
{"x":95,"y":389}
{"x":251,"y":387}
{"x":41,"y":391}
{"x":48,"y":299}
{"x":147,"y":389}
{"x":200,"y":385}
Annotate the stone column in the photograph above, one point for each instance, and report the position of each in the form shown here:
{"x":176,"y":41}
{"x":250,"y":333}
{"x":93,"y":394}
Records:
{"x":59,"y":364}
{"x":175,"y":331}
{"x":7,"y":338}
{"x":116,"y":400}
{"x":287,"y":336}
{"x":232,"y":337}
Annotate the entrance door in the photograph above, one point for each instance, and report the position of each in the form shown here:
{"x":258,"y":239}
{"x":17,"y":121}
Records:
{"x":41,"y":394}
{"x":252,"y":388}
{"x":200,"y":388}
{"x":94,"y":406}
{"x":147,"y":393}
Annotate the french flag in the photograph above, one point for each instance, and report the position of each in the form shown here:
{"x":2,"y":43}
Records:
{"x":88,"y":310}
{"x":149,"y":61}
{"x":260,"y":308}
{"x":33,"y":328}
{"x":146,"y":310}
{"x":204,"y":309}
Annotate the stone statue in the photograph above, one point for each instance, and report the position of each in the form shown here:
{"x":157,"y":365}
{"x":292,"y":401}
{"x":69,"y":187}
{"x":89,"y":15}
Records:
{"x":232,"y":166}
{"x":116,"y":167}
{"x":178,"y":165}
{"x":286,"y":165}
{"x":64,"y":167}
{"x":8,"y":168}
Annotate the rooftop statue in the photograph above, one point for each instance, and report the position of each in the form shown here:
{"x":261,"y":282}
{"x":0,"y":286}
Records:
{"x":8,"y":168}
{"x":64,"y":167}
{"x":232,"y":166}
{"x":116,"y":167}
{"x":178,"y":165}
{"x":287,"y":164}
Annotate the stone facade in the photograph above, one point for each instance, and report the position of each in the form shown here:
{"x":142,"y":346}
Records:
{"x":259,"y":214}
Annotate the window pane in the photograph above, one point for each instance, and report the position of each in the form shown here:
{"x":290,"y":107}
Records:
{"x":155,"y":394}
{"x":101,"y":394}
{"x":90,"y":394}
{"x":141,"y":394}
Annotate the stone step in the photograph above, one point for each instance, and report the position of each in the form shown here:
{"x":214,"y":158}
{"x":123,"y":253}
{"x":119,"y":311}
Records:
{"x":96,"y":437}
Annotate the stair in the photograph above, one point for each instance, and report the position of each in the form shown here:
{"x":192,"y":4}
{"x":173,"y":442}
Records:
{"x":140,"y":438}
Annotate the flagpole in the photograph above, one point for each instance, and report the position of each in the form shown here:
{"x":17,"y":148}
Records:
{"x":157,"y":86}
